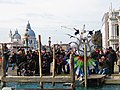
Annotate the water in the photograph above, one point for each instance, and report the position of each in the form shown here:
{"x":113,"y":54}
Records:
{"x":33,"y":86}
{"x":23,"y":86}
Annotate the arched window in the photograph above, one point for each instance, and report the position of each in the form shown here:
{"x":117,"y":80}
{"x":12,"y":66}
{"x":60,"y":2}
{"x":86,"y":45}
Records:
{"x":117,"y":30}
{"x":30,"y":41}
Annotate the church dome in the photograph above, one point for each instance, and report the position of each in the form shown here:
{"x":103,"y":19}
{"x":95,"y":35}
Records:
{"x":29,"y":32}
{"x":16,"y":35}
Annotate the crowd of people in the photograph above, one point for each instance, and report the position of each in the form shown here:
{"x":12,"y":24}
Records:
{"x":105,"y":60}
{"x":28,"y":62}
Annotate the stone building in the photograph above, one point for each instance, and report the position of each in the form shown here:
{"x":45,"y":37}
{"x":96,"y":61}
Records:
{"x":26,"y":40}
{"x":110,"y":29}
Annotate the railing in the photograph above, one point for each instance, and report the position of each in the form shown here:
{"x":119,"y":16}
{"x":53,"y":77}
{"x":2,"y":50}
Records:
{"x":114,"y":37}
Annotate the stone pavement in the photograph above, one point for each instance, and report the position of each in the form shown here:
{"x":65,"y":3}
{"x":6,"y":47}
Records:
{"x":11,"y":72}
{"x":14,"y":72}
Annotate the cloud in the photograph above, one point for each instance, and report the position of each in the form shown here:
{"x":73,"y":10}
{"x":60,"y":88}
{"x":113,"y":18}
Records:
{"x":50,"y":15}
{"x":10,"y":2}
{"x":40,"y":15}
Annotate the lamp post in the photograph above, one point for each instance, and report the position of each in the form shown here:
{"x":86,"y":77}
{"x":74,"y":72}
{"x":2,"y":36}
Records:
{"x":49,"y":41}
{"x":26,"y":40}
{"x":61,"y":42}
{"x":26,"y":43}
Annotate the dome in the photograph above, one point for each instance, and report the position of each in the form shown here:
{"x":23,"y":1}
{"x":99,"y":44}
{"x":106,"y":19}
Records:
{"x":16,"y":35}
{"x":29,"y":31}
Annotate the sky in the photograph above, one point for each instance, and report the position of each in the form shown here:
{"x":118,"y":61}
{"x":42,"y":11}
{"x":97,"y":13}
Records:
{"x":47,"y":16}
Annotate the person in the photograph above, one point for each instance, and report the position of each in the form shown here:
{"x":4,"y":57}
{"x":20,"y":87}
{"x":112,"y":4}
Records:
{"x":104,"y":64}
{"x":45,"y":62}
{"x":49,"y":61}
{"x":6,"y":56}
{"x":37,"y":63}
{"x":13,"y":59}
{"x":118,"y":64}
{"x":112,"y":57}
{"x":118,"y":61}
{"x":59,"y":59}
{"x":19,"y":62}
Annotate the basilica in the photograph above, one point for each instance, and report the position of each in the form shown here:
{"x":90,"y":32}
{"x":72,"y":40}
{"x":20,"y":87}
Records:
{"x":26,"y":40}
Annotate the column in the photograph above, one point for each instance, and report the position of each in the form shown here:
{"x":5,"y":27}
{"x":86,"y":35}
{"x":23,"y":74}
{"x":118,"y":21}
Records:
{"x":113,"y":31}
{"x":119,"y":31}
{"x":110,"y":29}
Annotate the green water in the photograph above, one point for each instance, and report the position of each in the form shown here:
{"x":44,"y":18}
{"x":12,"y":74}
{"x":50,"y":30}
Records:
{"x":35,"y":86}
{"x":32,"y":86}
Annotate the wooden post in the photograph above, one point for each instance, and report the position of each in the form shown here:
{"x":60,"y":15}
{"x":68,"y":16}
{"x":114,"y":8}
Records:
{"x":85,"y":63}
{"x":3,"y":68}
{"x":53,"y":74}
{"x":40,"y":61}
{"x":72,"y":74}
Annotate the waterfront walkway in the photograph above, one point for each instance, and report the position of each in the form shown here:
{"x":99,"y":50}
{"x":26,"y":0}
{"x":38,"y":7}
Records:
{"x":10,"y":71}
{"x":14,"y":72}
{"x":113,"y":79}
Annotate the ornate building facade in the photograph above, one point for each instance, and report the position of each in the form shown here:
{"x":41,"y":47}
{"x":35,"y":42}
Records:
{"x":110,"y":29}
{"x":27,"y":40}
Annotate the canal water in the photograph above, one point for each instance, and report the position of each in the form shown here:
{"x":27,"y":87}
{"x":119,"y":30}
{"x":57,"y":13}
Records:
{"x":36,"y":86}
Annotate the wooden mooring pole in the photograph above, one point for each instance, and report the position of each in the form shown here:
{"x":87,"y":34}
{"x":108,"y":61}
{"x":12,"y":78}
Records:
{"x":3,"y":68}
{"x":40,"y":62}
{"x":85,"y":64}
{"x":53,"y":74}
{"x":72,"y":74}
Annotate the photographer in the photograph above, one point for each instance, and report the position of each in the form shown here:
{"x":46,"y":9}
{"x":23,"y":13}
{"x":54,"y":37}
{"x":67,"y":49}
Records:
{"x":6,"y":56}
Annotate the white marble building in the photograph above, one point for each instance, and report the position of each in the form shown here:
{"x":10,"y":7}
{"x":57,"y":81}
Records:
{"x":28,"y":38}
{"x":110,"y":29}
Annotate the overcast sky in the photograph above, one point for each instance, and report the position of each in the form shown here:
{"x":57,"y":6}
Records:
{"x":47,"y":16}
